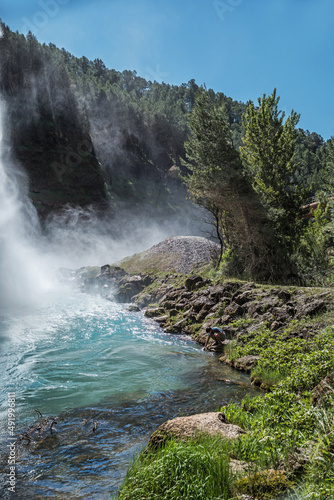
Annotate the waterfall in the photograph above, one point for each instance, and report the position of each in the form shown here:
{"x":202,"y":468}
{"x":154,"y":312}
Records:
{"x":23,"y":273}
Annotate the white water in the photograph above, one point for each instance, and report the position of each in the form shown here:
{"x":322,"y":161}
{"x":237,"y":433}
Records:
{"x":24,"y":274}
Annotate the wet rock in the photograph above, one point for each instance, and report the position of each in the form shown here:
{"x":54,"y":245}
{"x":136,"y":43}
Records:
{"x":216,"y":348}
{"x":234,"y":382}
{"x":225,"y":359}
{"x":152,"y":313}
{"x":114,"y":272}
{"x":105,"y":269}
{"x":130,"y":286}
{"x":143,"y":300}
{"x":133,"y":308}
{"x":162,"y":320}
{"x":190,"y":427}
{"x":178,"y":327}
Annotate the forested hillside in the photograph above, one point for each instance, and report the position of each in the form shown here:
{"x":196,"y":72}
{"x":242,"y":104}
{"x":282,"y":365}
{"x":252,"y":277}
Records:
{"x":86,"y":134}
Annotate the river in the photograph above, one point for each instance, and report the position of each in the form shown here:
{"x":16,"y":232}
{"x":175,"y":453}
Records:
{"x":109,"y":377}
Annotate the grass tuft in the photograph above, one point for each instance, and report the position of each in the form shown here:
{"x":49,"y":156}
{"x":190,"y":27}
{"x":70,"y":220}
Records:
{"x":189,"y":470}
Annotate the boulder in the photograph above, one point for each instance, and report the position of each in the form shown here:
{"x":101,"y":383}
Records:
{"x":174,"y":295}
{"x":213,"y":423}
{"x":177,"y":327}
{"x":133,"y":308}
{"x":143,"y":300}
{"x":261,"y":305}
{"x":168,"y":304}
{"x":105,"y":269}
{"x":129,"y":286}
{"x":162,"y":320}
{"x":201,"y":301}
{"x":242,"y":298}
{"x":225,"y":319}
{"x":203,"y":312}
{"x":193,"y":282}
{"x":234,"y":309}
{"x":284,"y":295}
{"x":216,"y":292}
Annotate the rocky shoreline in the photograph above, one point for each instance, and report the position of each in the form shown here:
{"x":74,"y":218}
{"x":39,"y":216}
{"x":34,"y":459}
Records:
{"x":188,"y":304}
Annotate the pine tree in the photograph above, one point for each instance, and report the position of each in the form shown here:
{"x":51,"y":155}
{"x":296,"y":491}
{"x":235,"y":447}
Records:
{"x":268,"y":154}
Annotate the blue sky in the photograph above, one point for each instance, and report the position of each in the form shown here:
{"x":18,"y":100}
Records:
{"x":243,"y":48}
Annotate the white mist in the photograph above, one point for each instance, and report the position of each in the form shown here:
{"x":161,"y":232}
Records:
{"x":23,"y":271}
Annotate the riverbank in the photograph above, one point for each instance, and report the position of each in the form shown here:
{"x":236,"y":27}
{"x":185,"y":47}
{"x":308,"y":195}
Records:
{"x":284,"y":338}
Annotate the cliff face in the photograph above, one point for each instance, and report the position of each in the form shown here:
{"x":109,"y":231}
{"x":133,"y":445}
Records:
{"x":61,"y":165}
{"x":46,"y":131}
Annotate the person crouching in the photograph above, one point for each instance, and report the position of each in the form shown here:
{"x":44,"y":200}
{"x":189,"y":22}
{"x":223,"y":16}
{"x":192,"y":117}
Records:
{"x":217,"y":335}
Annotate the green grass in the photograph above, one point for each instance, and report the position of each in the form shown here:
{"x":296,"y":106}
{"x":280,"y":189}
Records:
{"x":192,"y":470}
{"x":149,"y":263}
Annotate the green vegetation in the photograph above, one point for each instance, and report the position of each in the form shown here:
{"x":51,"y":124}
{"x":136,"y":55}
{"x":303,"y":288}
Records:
{"x":256,"y":196}
{"x":150,"y":263}
{"x":187,"y":470}
{"x":284,"y":427}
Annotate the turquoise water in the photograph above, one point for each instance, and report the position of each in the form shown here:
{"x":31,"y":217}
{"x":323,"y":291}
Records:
{"x":110,"y":377}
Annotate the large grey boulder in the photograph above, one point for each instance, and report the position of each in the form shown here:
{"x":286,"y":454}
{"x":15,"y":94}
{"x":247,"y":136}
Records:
{"x":213,"y":423}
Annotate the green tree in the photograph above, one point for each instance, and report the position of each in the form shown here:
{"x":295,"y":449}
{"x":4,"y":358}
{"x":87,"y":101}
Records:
{"x":212,"y":162}
{"x":268,"y":153}
{"x":216,"y":182}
